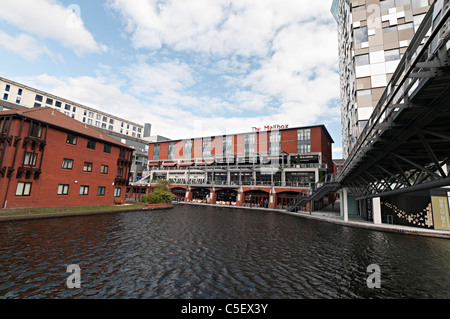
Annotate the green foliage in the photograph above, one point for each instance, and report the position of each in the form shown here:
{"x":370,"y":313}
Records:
{"x":161,"y":194}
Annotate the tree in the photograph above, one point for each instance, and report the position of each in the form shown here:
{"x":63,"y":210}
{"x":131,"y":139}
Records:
{"x":161,"y":193}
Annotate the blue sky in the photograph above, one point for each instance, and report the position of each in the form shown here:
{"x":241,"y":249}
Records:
{"x":190,"y":68}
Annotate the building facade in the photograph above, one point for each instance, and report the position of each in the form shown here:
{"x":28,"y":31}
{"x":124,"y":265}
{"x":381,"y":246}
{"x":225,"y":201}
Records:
{"x":48,"y":159}
{"x":373,"y":35}
{"x":16,"y":96}
{"x":258,"y":168}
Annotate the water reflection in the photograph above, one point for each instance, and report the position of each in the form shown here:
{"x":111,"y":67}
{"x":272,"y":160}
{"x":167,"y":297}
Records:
{"x":203,"y":252}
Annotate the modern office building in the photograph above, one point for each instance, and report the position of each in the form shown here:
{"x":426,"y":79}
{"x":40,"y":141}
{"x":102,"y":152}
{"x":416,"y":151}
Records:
{"x":48,"y":159}
{"x":16,"y":96}
{"x":373,"y":35}
{"x":242,"y":169}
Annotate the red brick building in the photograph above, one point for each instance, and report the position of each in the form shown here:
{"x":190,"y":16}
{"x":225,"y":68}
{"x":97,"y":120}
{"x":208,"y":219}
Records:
{"x":48,"y":159}
{"x":271,"y":166}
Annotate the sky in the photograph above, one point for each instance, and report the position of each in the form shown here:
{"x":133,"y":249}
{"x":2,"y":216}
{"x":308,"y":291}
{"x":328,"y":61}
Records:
{"x":191,"y":68}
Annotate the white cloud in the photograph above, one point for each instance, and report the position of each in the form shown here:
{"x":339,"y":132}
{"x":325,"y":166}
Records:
{"x":95,"y":92}
{"x":47,"y":19}
{"x":159,"y":77}
{"x":24,"y":46}
{"x":218,"y":27}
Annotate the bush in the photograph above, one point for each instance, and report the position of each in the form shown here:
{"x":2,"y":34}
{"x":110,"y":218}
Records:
{"x":161,"y":194}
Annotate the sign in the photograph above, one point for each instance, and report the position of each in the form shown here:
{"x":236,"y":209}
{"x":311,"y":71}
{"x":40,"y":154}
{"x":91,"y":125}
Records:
{"x":440,"y":213}
{"x":270,"y":127}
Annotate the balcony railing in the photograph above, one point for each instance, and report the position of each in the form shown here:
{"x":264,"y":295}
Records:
{"x":238,"y":167}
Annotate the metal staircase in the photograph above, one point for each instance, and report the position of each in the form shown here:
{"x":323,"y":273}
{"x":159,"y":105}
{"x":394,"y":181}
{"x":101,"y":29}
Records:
{"x":319,"y":190}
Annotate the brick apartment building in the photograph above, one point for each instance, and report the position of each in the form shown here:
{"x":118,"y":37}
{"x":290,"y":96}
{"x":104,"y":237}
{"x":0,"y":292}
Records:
{"x":264,"y":166}
{"x":48,"y":159}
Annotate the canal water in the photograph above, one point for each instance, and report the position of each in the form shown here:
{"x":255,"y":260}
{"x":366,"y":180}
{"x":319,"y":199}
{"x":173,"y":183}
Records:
{"x":209,"y":252}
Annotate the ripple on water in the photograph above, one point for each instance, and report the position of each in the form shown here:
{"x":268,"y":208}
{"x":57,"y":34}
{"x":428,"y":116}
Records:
{"x":201,"y":252}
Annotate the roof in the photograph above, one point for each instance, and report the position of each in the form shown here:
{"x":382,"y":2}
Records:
{"x":262,"y":131}
{"x":47,"y":94}
{"x":59,"y":120}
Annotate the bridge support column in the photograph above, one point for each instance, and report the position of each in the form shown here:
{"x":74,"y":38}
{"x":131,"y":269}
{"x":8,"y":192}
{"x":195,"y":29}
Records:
{"x":188,"y":197}
{"x":344,"y":203}
{"x":376,"y":203}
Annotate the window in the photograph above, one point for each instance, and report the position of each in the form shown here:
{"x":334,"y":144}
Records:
{"x":19,"y":92}
{"x":63,"y":189}
{"x":38,"y":98}
{"x":58,"y":104}
{"x":36,"y":104}
{"x":392,"y":55}
{"x":120,"y":172}
{"x":89,"y":122}
{"x":206,"y":148}
{"x":7,"y":87}
{"x":171,"y":154}
{"x":49,"y":101}
{"x":101,"y":191}
{"x":97,"y":123}
{"x":405,"y":26}
{"x":274,"y":142}
{"x":104,"y":119}
{"x":18,"y":100}
{"x":23,"y":189}
{"x":35,"y":130}
{"x":107,"y":148}
{"x":74,"y":109}
{"x":117,"y":192}
{"x":111,"y":121}
{"x":91,"y":115}
{"x":71,"y":139}
{"x":156,"y":151}
{"x":419,"y":3}
{"x":187,"y":149}
{"x":67,"y":107}
{"x":110,"y":128}
{"x":67,"y":163}
{"x":30,"y":159}
{"x":5,"y":96}
{"x":98,"y":117}
{"x":104,"y":169}
{"x":390,"y":29}
{"x":360,"y":35}
{"x":386,"y":5}
{"x":84,"y":190}
{"x":361,"y":60}
{"x":87,"y":167}
{"x":104,"y":125}
{"x":91,"y":144}
{"x":304,"y":141}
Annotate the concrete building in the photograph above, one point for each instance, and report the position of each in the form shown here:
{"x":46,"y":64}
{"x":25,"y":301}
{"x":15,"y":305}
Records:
{"x":48,"y":159}
{"x":242,"y":169}
{"x":373,"y":35}
{"x":386,"y":188}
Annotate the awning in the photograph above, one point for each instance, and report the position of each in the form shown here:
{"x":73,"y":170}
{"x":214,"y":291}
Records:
{"x":204,"y":162}
{"x":153,"y":164}
{"x":169,"y":164}
{"x":186,"y":163}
